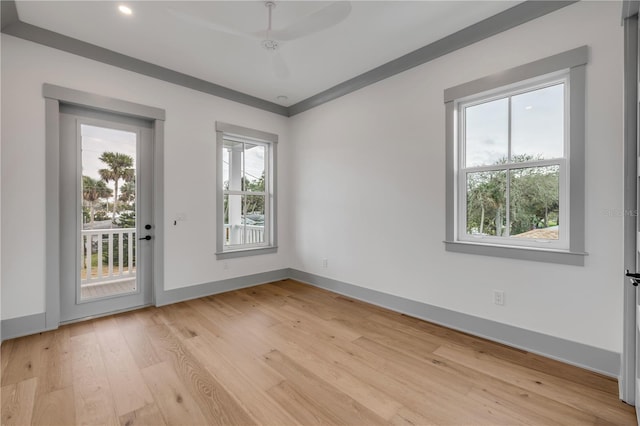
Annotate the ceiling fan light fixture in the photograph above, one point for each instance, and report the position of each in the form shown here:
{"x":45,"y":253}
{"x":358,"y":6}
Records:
{"x":270,"y":45}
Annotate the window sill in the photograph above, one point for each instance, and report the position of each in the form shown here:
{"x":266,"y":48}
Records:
{"x":231,"y":254}
{"x":514,"y":252}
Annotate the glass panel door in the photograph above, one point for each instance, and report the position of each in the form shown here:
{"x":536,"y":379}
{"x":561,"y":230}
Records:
{"x":108,"y":211}
{"x":106,"y":228}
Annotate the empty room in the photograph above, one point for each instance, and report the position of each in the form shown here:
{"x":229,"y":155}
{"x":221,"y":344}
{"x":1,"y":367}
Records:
{"x":319,"y":212}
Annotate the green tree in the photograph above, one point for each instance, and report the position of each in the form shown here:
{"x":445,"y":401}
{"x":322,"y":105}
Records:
{"x":126,"y":220}
{"x":486,"y":203}
{"x":533,"y":199}
{"x":120,"y":167}
{"x":254,"y":203}
{"x":128,"y":192}
{"x":92,"y":192}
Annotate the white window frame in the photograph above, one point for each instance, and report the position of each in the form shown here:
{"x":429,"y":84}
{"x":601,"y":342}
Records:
{"x":568,"y":68}
{"x":230,"y":132}
{"x":562,"y":162}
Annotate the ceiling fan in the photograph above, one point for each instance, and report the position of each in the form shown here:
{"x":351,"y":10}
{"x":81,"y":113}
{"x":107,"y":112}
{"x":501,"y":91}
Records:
{"x":270,"y":39}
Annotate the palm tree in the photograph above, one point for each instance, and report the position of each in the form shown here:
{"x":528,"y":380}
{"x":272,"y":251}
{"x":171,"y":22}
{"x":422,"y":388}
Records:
{"x":120,"y":167}
{"x":92,"y":191}
{"x":128,"y":191}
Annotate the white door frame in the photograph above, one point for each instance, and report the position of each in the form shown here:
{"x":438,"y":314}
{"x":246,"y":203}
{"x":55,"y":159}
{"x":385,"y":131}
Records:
{"x":54,"y":97}
{"x":72,"y":308}
{"x":628,"y":368}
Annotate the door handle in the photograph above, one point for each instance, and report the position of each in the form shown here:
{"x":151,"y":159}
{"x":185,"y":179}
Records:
{"x":148,"y":237}
{"x":634,"y":277}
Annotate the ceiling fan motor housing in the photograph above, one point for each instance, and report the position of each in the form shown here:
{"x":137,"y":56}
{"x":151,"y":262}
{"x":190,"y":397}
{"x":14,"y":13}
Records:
{"x":270,"y":44}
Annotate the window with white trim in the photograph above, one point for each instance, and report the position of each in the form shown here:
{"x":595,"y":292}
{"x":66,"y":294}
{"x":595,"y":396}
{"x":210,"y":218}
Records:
{"x":515,"y":162}
{"x":246,"y":213}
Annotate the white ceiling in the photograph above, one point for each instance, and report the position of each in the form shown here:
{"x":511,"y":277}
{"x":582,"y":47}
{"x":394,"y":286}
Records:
{"x":220,"y":41}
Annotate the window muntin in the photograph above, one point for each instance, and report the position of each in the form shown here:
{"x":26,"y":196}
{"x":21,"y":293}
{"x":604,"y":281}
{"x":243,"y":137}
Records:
{"x":513,"y":166}
{"x":246,"y":192}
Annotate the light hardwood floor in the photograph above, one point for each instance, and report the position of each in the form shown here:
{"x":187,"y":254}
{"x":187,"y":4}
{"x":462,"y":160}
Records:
{"x":286,"y":353}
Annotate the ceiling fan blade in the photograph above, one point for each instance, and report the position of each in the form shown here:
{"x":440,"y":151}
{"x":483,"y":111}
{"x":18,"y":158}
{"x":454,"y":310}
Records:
{"x":325,"y":18}
{"x":280,"y":67}
{"x":202,"y":22}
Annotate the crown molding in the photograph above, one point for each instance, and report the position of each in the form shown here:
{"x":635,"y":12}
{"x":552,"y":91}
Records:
{"x":510,"y":18}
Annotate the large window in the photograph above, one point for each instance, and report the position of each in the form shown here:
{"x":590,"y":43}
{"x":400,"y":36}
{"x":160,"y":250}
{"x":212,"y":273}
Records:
{"x":246,"y":213}
{"x":512,"y":174}
{"x":515,"y":152}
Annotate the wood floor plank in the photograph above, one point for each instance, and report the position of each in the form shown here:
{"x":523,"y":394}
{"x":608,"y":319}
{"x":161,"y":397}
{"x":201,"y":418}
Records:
{"x":345,"y":408}
{"x":78,"y":328}
{"x":442,"y":335}
{"x":216,"y":403}
{"x":5,"y":354}
{"x":528,"y":404}
{"x":240,"y":383}
{"x":149,"y":316}
{"x":405,"y":366}
{"x":298,"y":318}
{"x":221,"y":306}
{"x":93,"y":396}
{"x":171,"y":396}
{"x":407,"y":417}
{"x":141,"y":349}
{"x":419,"y":329}
{"x":302,"y":407}
{"x":17,"y":402}
{"x":53,"y":408}
{"x":246,"y":305}
{"x":585,"y":399}
{"x":173,"y":316}
{"x":149,"y":415}
{"x":287,"y":353}
{"x":493,"y":389}
{"x":56,"y":362}
{"x":379,"y":402}
{"x":438,"y":404}
{"x":25,"y":360}
{"x":240,"y":345}
{"x":127,"y":386}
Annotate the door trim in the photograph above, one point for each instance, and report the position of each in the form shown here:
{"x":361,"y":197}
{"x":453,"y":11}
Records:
{"x":627,"y":380}
{"x":54,"y":97}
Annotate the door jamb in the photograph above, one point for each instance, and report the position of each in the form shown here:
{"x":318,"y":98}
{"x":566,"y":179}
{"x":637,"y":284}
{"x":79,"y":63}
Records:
{"x":54,"y":96}
{"x":627,"y":381}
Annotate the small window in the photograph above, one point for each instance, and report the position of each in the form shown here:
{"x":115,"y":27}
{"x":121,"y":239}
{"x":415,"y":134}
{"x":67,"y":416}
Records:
{"x":515,"y":162}
{"x":246,"y":188}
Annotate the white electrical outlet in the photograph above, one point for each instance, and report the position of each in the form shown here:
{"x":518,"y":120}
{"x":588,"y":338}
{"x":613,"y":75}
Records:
{"x":325,"y":263}
{"x":498,"y":297}
{"x":225,"y":265}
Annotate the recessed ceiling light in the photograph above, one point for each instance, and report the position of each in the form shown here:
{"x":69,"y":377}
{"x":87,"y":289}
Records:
{"x":282,"y":98}
{"x":125,"y":10}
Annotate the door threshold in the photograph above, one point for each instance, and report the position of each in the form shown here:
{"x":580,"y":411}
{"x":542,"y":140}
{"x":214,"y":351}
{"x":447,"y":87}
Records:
{"x":105,"y":314}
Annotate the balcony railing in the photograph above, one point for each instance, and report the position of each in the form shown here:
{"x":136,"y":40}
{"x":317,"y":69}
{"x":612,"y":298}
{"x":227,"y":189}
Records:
{"x":107,"y":255}
{"x":255,"y":234}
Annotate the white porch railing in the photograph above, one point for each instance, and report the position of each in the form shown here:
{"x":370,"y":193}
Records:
{"x":117,"y":243}
{"x":255,"y":234}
